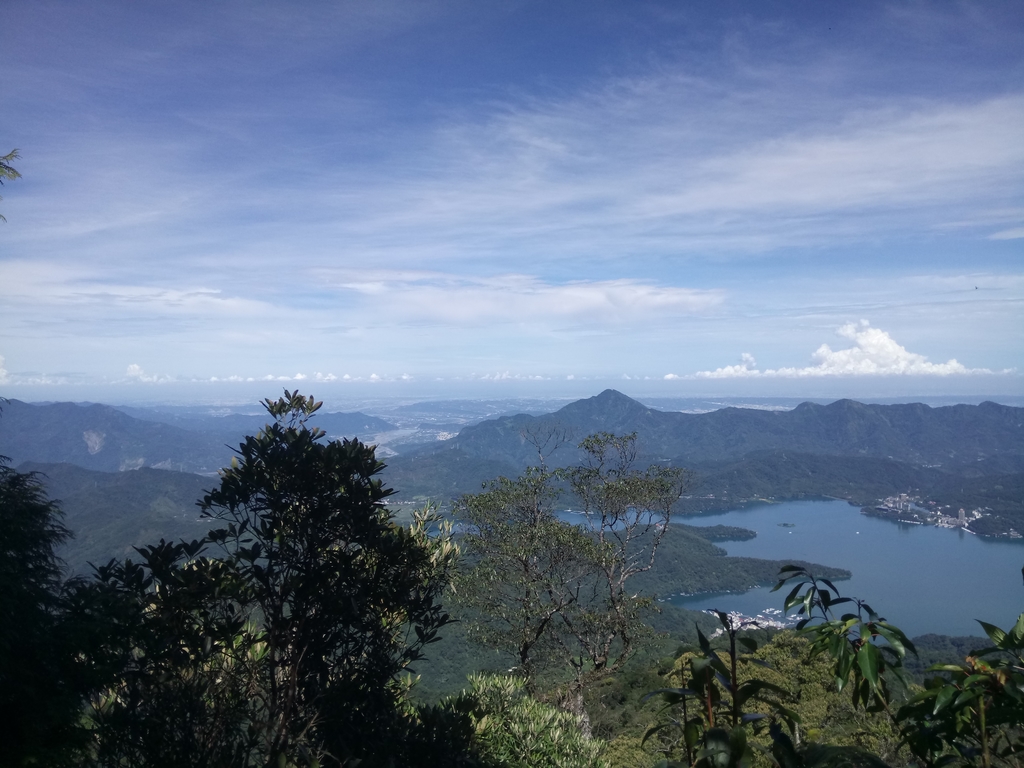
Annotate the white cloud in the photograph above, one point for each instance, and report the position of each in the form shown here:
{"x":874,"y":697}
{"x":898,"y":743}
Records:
{"x":543,"y":178}
{"x":874,"y":353}
{"x":874,"y":159}
{"x":1008,"y":234}
{"x":524,"y":299}
{"x":3,"y":371}
{"x":136,"y":373}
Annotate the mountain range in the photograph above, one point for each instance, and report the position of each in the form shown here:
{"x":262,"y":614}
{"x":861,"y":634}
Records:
{"x":963,"y":455}
{"x":109,"y":439}
{"x":949,"y":436}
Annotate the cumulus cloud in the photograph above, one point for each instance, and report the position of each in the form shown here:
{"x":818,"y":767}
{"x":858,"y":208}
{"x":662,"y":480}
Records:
{"x":296,"y":377}
{"x":3,"y":371}
{"x":507,"y":376}
{"x":874,"y":353}
{"x":135,"y":373}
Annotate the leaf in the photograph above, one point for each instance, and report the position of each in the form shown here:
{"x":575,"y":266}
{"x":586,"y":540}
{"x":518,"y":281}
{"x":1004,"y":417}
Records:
{"x":1017,"y":634}
{"x":748,"y":642}
{"x":692,"y":732}
{"x":705,"y":646}
{"x":995,"y":634}
{"x":942,"y":699}
{"x":868,"y":661}
{"x":966,"y":697}
{"x":737,"y":744}
{"x":723,"y":680}
{"x":791,"y":598}
{"x":751,"y":688}
{"x":654,"y":730}
{"x":892,"y":639}
{"x":671,"y":695}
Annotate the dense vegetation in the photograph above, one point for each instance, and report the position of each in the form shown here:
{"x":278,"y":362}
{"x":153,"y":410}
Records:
{"x":285,"y":635}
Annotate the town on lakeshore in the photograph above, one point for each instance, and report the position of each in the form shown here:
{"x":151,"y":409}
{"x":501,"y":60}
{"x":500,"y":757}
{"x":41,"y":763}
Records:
{"x":912,"y":510}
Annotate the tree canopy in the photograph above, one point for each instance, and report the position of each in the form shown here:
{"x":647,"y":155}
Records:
{"x":280,"y":637}
{"x":7,"y":171}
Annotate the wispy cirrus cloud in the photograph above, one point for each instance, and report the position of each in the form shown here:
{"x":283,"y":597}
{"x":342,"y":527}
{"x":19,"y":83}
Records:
{"x":1015,"y":233}
{"x":524,"y":299}
{"x":542,"y":177}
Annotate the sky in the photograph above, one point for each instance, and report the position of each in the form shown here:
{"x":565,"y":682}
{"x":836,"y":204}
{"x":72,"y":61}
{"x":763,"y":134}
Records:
{"x":426,"y":199}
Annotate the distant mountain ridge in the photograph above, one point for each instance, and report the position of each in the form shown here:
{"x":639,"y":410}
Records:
{"x":104,"y":438}
{"x":334,"y":424}
{"x":914,"y":433}
{"x":111,"y":512}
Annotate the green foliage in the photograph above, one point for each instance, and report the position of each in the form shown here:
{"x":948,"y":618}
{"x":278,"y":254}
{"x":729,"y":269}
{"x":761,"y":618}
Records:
{"x":555,"y":595}
{"x":287,"y":648}
{"x":705,"y":719}
{"x":795,"y":715}
{"x":7,"y":171}
{"x":974,"y":713}
{"x":39,"y":687}
{"x":863,"y":645}
{"x":938,"y":649}
{"x":970,"y":716}
{"x":528,"y":568}
{"x":515,"y":730}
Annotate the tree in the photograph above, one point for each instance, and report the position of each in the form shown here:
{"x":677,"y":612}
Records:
{"x":8,"y":172}
{"x":527,"y":570}
{"x":628,"y":510}
{"x":554,"y":595}
{"x":40,"y":695}
{"x":288,"y":647}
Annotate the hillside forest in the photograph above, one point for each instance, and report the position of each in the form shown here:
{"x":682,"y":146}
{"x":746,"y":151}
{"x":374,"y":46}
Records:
{"x":300,"y":627}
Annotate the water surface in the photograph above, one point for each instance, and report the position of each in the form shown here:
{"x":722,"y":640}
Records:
{"x":921,"y":578}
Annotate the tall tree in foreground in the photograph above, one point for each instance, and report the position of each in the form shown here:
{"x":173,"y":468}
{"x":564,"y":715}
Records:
{"x":39,"y":702}
{"x":554,"y":595}
{"x":286,"y":649}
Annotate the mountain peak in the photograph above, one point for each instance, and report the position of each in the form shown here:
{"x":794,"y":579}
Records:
{"x":611,"y":406}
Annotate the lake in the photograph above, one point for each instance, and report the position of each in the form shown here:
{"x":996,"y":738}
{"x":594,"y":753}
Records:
{"x":921,"y":578}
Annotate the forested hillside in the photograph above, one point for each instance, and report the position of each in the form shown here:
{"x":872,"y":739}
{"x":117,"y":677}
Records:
{"x":915,"y":433}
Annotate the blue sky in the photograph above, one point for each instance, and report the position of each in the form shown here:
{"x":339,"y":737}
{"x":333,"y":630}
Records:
{"x":530,"y":198}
